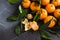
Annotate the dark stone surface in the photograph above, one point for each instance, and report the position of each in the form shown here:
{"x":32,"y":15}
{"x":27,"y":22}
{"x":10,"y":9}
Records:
{"x":7,"y":28}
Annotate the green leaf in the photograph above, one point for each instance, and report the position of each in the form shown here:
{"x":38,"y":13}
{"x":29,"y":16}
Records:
{"x":20,"y":9}
{"x":45,"y":26}
{"x":23,"y":13}
{"x":12,"y":18}
{"x":36,"y":17}
{"x":20,"y":24}
{"x":13,"y":1}
{"x":17,"y":30}
{"x":45,"y":35}
{"x":34,"y":12}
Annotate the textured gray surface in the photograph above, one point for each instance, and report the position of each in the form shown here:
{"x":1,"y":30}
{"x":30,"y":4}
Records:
{"x":6,"y":27}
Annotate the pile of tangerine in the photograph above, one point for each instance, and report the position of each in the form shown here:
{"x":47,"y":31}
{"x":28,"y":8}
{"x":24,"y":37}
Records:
{"x":48,"y":12}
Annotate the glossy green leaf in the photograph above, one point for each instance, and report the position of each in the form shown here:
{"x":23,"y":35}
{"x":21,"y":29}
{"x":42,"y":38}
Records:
{"x":20,"y":9}
{"x":45,"y":35}
{"x":23,"y":13}
{"x":20,"y":24}
{"x":13,"y":1}
{"x":17,"y":30}
{"x":36,"y":17}
{"x":12,"y":18}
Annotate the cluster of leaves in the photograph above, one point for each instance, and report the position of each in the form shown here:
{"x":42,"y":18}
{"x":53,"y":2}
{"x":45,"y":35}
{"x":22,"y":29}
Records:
{"x":21,"y":14}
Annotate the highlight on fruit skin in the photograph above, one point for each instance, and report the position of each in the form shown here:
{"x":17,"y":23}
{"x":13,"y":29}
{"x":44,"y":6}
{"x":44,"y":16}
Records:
{"x":45,"y":2}
{"x":57,"y":13}
{"x":34,"y":25}
{"x":50,"y":8}
{"x":56,"y":2}
{"x":26,"y":3}
{"x":34,"y":6}
{"x":52,"y":23}
{"x":43,"y":14}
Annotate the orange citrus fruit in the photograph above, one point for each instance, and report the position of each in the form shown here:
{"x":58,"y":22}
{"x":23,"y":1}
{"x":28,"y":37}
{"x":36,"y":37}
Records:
{"x":43,"y":14}
{"x":56,"y":2}
{"x":26,"y":4}
{"x":34,"y":7}
{"x":45,"y":2}
{"x":57,"y":13}
{"x":37,"y":7}
{"x":50,"y":8}
{"x":52,"y":23}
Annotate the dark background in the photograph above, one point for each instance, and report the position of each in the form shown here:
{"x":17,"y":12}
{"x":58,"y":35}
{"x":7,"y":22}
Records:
{"x":7,"y":28}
